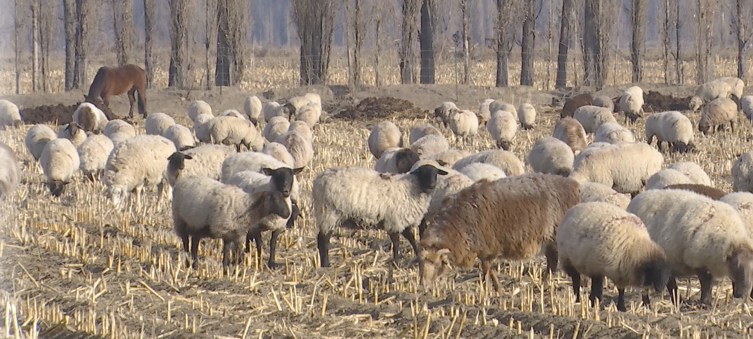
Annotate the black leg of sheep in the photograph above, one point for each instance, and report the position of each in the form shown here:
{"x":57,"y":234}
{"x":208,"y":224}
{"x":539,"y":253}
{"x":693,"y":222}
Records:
{"x":707,"y":282}
{"x":256,"y":235}
{"x":672,"y":289}
{"x":575,"y":276}
{"x":272,"y":249}
{"x":597,"y":287}
{"x":621,"y":300}
{"x":195,"y":251}
{"x":322,"y":241}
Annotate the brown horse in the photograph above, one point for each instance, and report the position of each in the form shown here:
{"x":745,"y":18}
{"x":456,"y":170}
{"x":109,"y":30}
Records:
{"x":116,"y":81}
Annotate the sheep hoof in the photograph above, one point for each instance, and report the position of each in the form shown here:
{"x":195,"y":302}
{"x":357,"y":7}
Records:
{"x":273,"y":265}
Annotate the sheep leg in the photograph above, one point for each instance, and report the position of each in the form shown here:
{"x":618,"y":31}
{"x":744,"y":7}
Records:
{"x":422,"y":227}
{"x":225,"y":253}
{"x":395,"y":237}
{"x":550,"y":251}
{"x":621,"y":300}
{"x":575,"y":276}
{"x":195,"y":252}
{"x":486,"y":267}
{"x":707,"y":282}
{"x":322,"y":242}
{"x":672,"y":289}
{"x":645,"y":299}
{"x":272,"y":249}
{"x":256,"y":235}
{"x":186,"y":248}
{"x":408,"y":234}
{"x":732,"y":126}
{"x":597,"y":287}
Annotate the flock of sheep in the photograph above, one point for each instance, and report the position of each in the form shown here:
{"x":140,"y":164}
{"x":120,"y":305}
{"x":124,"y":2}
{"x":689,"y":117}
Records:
{"x":604,"y":209}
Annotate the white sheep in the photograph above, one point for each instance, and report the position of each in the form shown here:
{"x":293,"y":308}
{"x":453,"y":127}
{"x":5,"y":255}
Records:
{"x":9,"y":114}
{"x":673,"y":127}
{"x":90,"y":118}
{"x":484,"y":114}
{"x":446,"y":158}
{"x":613,"y":133}
{"x":571,"y":132}
{"x":464,"y":124}
{"x":445,"y":111}
{"x":430,"y":144}
{"x":737,"y":86}
{"x":93,"y":154}
{"x":592,"y":147}
{"x":232,"y":113}
{"x":157,"y":123}
{"x":119,"y":137}
{"x":205,"y":160}
{"x":592,"y":192}
{"x":309,"y":114}
{"x":299,"y":147}
{"x":197,"y":108}
{"x":384,"y":135}
{"x":279,"y":152}
{"x":256,"y":162}
{"x":696,"y":174}
{"x":742,"y":173}
{"x":294,"y":104}
{"x":667,"y":177}
{"x":502,"y":127}
{"x":526,"y":115}
{"x":136,"y":163}
{"x":507,"y":161}
{"x":303,"y":128}
{"x":598,"y":239}
{"x":652,"y":205}
{"x":275,"y":127}
{"x":603,"y":101}
{"x":252,"y":106}
{"x":228,"y":130}
{"x":420,"y":131}
{"x":591,"y":117}
{"x":181,"y":136}
{"x":37,"y":137}
{"x":396,"y":160}
{"x":717,"y":113}
{"x":59,"y":163}
{"x":742,"y":202}
{"x":117,"y":125}
{"x":631,"y":103}
{"x":498,"y":105}
{"x":746,"y":104}
{"x":10,"y":171}
{"x":270,"y":110}
{"x":708,"y":92}
{"x":313,"y":97}
{"x":201,"y":127}
{"x":478,"y":170}
{"x":625,"y":167}
{"x":72,"y":132}
{"x":395,"y":203}
{"x":550,"y":155}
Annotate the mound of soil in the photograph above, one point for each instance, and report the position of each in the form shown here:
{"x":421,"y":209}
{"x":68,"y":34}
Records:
{"x":373,"y":108}
{"x":657,"y":102}
{"x":59,"y":114}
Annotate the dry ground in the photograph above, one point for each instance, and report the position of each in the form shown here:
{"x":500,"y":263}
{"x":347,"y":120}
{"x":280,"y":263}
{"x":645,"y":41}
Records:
{"x":80,"y":263}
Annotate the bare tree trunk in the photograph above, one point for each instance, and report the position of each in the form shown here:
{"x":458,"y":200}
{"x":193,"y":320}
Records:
{"x":638,"y":23}
{"x":702,"y":37}
{"x":359,"y":34}
{"x":210,"y":40}
{"x":596,"y":42}
{"x":426,"y":39}
{"x":742,"y":38}
{"x":82,"y":39}
{"x":69,"y":18}
{"x":377,"y":27}
{"x":666,"y":41}
{"x":122,"y":22}
{"x":34,"y":46}
{"x":47,"y":20}
{"x":349,"y":27}
{"x":550,"y":48}
{"x":528,"y":44}
{"x":678,"y":49}
{"x":505,"y":21}
{"x":149,"y":9}
{"x":16,"y":45}
{"x":466,"y":41}
{"x":407,"y":52}
{"x":178,"y":43}
{"x":568,"y":14}
{"x":314,"y":21}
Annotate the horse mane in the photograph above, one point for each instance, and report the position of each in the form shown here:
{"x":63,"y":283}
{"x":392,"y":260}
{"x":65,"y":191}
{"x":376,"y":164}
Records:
{"x":97,"y":85}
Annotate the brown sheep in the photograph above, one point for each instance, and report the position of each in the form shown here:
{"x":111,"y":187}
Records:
{"x":711,"y":192}
{"x":574,"y":103}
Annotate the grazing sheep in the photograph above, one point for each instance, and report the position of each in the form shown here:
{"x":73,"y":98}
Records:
{"x":613,"y":133}
{"x":708,"y":92}
{"x":157,"y":123}
{"x":652,"y":205}
{"x":498,"y":105}
{"x":478,"y":170}
{"x":294,"y":104}
{"x":279,"y":152}
{"x":10,"y":171}
{"x":256,"y":162}
{"x":666,"y":177}
{"x":197,"y":108}
{"x":624,"y":167}
{"x":302,"y":128}
{"x":446,"y":158}
{"x":598,"y":240}
{"x":742,"y":173}
{"x":275,"y":127}
{"x":9,"y":114}
{"x":205,"y":160}
{"x":746,"y":104}
{"x":511,"y":218}
{"x":464,"y":124}
{"x":592,"y":192}
{"x":252,"y":106}
{"x":673,"y":127}
{"x":445,"y":111}
{"x":526,"y":115}
{"x":270,"y":110}
{"x":93,"y":154}
{"x":232,"y":113}
{"x":603,"y":101}
{"x":592,"y":147}
{"x":72,"y":132}
{"x":484,"y":113}
{"x":420,"y":131}
{"x":299,"y":147}
{"x":90,"y":118}
{"x":550,"y":155}
{"x":205,"y":208}
{"x":571,"y":132}
{"x":736,"y":86}
{"x":59,"y":163}
{"x":228,"y":130}
{"x":508,"y":162}
{"x":742,"y":202}
{"x":201,"y":127}
{"x":350,"y":196}
{"x":384,"y":135}
{"x":631,"y":103}
{"x":396,"y":160}
{"x":37,"y":137}
{"x":181,"y":136}
{"x":572,"y":104}
{"x":117,"y":125}
{"x":314,"y":98}
{"x":711,"y":192}
{"x":591,"y":117}
{"x":119,"y":137}
{"x":502,"y":127}
{"x":135,"y":163}
{"x":696,"y":174}
{"x":309,"y":114}
{"x":717,"y":113}
{"x":430,"y":144}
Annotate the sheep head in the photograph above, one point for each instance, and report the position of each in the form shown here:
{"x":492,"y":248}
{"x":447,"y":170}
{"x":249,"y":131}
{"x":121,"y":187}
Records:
{"x":432,"y":263}
{"x":740,"y":261}
{"x":427,"y":177}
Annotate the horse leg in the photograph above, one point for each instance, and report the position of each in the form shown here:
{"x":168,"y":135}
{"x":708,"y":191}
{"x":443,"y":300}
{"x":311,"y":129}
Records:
{"x":141,"y":90}
{"x":131,"y":100}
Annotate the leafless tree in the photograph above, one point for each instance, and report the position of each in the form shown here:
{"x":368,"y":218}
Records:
{"x":178,"y":42}
{"x":638,"y":23}
{"x":69,"y":23}
{"x":210,"y":40}
{"x":466,"y":15}
{"x":16,"y":46}
{"x":83,"y":26}
{"x":567,"y":17}
{"x":149,"y":11}
{"x":314,"y":21}
{"x":34,"y":5}
{"x":743,"y":36}
{"x":549,"y":39}
{"x":678,"y":45}
{"x":528,"y":43}
{"x":665,"y":17}
{"x":355,"y":35}
{"x":704,"y":26}
{"x":597,"y":24}
{"x":232,"y":21}
{"x":407,"y":52}
{"x":426,"y":40}
{"x":505,"y":21}
{"x":46,"y":23}
{"x":122,"y":22}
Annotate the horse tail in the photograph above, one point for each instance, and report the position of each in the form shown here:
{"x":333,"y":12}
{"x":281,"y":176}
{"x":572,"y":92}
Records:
{"x":95,"y":89}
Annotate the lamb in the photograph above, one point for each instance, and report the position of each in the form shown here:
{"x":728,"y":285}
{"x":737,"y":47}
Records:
{"x":551,"y":156}
{"x":498,"y":105}
{"x":477,"y":171}
{"x":708,"y":92}
{"x":275,"y":127}
{"x":711,"y":192}
{"x":742,"y":173}
{"x":420,"y":131}
{"x":347,"y":196}
{"x":592,"y":192}
{"x":36,"y":138}
{"x":90,"y":118}
{"x":511,"y":218}
{"x":201,"y":127}
{"x":464,"y":124}
{"x":252,"y":106}
{"x":299,"y":147}
{"x":116,"y":126}
{"x":448,"y":157}
{"x":736,"y":87}
{"x":232,"y":113}
{"x":571,"y":132}
{"x":279,"y":152}
{"x":135,"y":163}
{"x":598,"y":240}
{"x":484,"y":113}
{"x":445,"y":111}
{"x":717,"y":113}
{"x":696,"y":174}
{"x":591,"y":117}
{"x":181,"y":136}
{"x":309,"y":114}
{"x":746,"y":104}
{"x":205,"y":208}
{"x":93,"y":154}
{"x":10,"y":171}
{"x":631,"y":103}
{"x":271,"y":110}
{"x":526,"y":115}
{"x":666,"y":177}
{"x":673,"y":127}
{"x":9,"y":114}
{"x":302,"y":128}
{"x":197,"y":108}
{"x":59,"y":163}
{"x":572,"y":104}
{"x":624,"y":167}
{"x":430,"y":144}
{"x":613,"y":133}
{"x":396,"y":160}
{"x":502,"y":127}
{"x":157,"y":123}
{"x":603,"y":101}
{"x":229,"y":130}
{"x":384,"y":135}
{"x":205,"y":160}
{"x":506,"y":161}
{"x":72,"y":132}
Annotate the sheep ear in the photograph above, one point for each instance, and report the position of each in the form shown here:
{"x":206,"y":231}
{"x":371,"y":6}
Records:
{"x":298,"y":170}
{"x":186,"y":156}
{"x":441,"y":172}
{"x":267,"y":171}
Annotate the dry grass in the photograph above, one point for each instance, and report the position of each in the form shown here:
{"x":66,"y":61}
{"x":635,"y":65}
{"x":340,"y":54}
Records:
{"x":80,"y":262}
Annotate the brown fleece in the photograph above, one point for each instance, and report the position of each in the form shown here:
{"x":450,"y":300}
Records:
{"x":711,"y":192}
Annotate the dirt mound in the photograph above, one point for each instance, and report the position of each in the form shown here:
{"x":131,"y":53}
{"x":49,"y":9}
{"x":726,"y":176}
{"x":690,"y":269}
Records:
{"x":59,"y":114}
{"x":657,"y":102}
{"x":381,"y":108}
